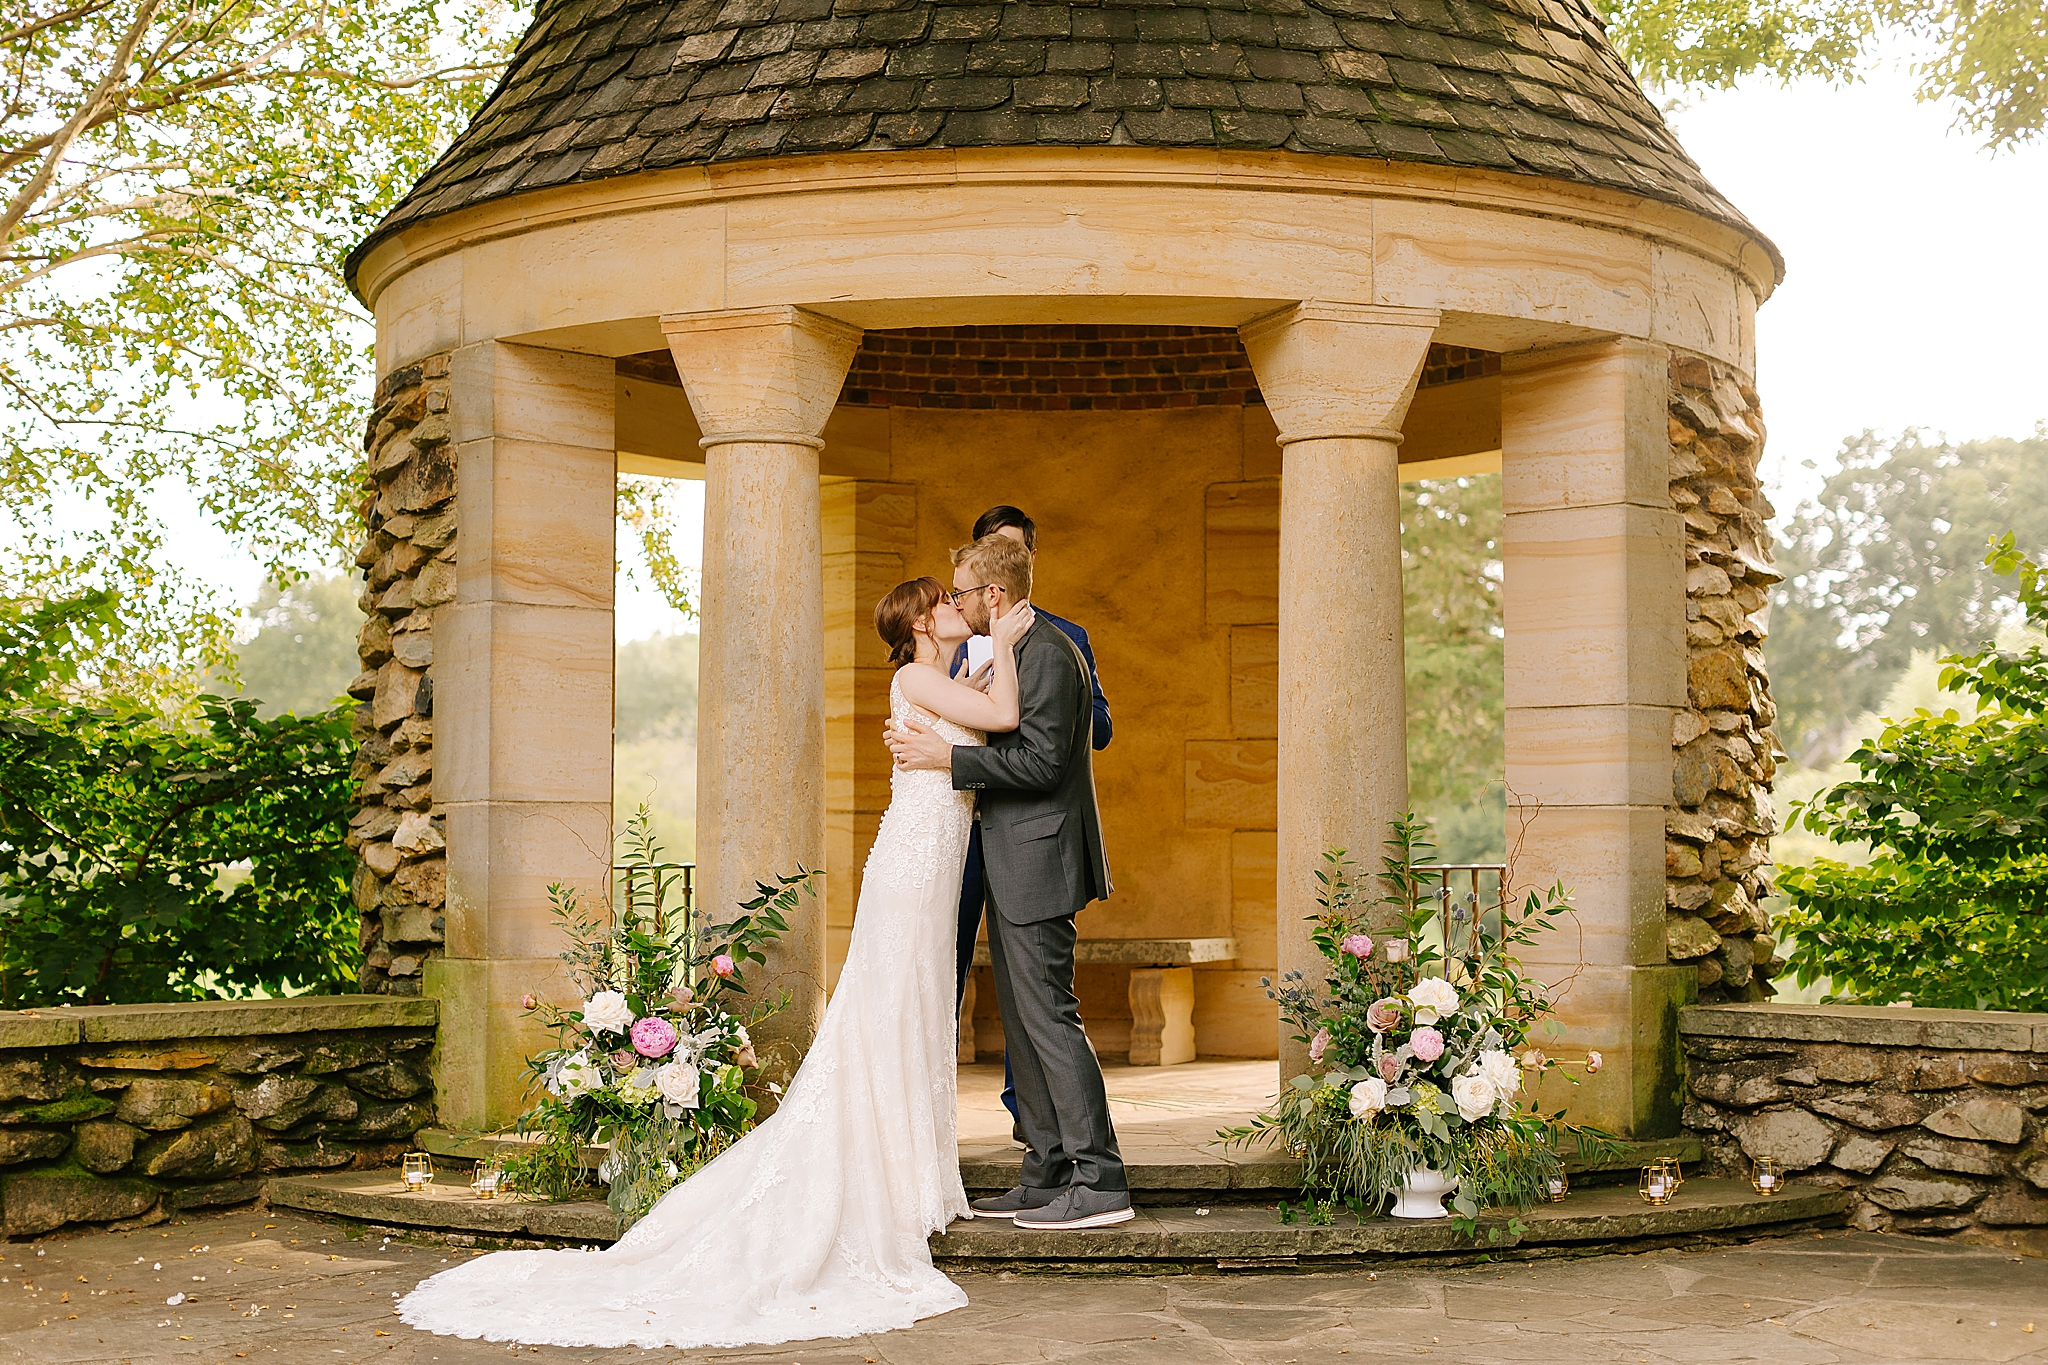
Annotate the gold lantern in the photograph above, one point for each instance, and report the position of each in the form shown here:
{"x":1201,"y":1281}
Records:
{"x":1560,"y":1185}
{"x":1671,"y":1169}
{"x":1767,"y":1176}
{"x":1655,"y":1184}
{"x":486,"y":1179}
{"x":418,"y":1171}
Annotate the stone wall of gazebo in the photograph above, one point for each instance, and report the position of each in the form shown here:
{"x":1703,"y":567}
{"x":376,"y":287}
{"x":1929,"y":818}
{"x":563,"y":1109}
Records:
{"x":1717,"y":850}
{"x":407,"y":557}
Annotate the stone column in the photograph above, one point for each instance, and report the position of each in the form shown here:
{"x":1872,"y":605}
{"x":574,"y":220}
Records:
{"x":523,"y":707}
{"x":762,"y":381}
{"x":1594,"y":609}
{"x":1338,"y":379}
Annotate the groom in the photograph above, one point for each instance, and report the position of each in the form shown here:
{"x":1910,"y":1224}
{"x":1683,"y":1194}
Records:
{"x":1042,"y":846}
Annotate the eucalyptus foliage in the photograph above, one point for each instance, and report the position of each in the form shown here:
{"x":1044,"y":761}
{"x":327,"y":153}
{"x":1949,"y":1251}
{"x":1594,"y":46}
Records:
{"x":1989,"y":56}
{"x":1398,"y":1030}
{"x":1952,"y":908}
{"x":655,"y":1059}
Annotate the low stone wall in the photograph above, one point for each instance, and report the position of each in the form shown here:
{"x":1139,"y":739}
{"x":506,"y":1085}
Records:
{"x":124,"y":1114}
{"x":1934,"y":1121}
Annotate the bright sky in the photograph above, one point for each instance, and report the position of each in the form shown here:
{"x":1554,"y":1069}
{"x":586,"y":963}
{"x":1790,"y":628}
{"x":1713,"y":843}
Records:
{"x":1915,"y":286}
{"x":1915,"y":293}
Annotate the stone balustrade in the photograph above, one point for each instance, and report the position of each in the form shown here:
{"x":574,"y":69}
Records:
{"x":125,"y":1114}
{"x":1934,"y":1121}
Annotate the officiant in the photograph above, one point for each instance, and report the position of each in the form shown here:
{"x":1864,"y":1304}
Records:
{"x":1011,"y":522}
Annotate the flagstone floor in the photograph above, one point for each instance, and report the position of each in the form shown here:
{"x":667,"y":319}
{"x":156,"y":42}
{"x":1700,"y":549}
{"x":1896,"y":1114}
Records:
{"x":293,"y":1290}
{"x":1164,"y":1115}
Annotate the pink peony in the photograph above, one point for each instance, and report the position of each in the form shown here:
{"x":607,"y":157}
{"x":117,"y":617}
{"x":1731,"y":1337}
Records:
{"x":654,"y":1037}
{"x":1428,"y":1044}
{"x":1318,"y":1045}
{"x":723,"y":965}
{"x":1390,"y":1067}
{"x":1592,"y":1062}
{"x":1381,"y":1016}
{"x":528,"y":1001}
{"x":1358,"y":945}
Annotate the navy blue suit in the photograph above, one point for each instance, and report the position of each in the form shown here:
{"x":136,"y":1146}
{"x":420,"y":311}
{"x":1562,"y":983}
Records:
{"x":972,"y":892}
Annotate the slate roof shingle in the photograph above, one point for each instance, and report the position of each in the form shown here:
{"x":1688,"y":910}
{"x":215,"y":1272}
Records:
{"x":603,"y":88}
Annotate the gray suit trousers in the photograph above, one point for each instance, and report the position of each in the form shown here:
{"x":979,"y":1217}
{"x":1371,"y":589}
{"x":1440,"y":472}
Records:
{"x":1060,"y":1098}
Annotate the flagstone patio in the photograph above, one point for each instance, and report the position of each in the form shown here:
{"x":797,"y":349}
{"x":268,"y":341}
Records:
{"x":296,"y":1290}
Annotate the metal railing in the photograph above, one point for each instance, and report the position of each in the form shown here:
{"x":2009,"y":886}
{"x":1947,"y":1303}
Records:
{"x":657,"y":891}
{"x":1466,"y":918}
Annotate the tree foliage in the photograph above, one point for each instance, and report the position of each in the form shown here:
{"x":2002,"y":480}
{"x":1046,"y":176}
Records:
{"x":145,"y":858}
{"x":179,"y":180}
{"x":1886,"y":560}
{"x":1451,"y":584}
{"x":1952,"y":908}
{"x":1989,"y":56}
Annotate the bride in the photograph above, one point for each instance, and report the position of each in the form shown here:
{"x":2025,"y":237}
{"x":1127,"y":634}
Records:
{"x":814,"y":1224}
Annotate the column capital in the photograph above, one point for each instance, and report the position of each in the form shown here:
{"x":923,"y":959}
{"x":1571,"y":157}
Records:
{"x":761,"y":375}
{"x":1337,"y":371}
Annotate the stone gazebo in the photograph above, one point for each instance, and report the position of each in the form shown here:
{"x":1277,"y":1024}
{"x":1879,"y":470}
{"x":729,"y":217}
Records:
{"x":1197,"y":284}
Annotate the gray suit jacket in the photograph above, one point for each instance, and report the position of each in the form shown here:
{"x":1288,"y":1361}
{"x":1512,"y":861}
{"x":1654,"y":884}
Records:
{"x":1041,"y":835}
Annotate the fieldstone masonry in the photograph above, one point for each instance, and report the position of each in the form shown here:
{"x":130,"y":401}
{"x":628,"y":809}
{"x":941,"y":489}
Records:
{"x":408,"y":562}
{"x":125,"y":1114}
{"x":1933,"y":1120}
{"x":1717,"y":848}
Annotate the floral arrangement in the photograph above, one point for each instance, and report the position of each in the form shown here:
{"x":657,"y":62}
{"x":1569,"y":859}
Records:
{"x":657,"y":1058}
{"x":1419,"y":1044}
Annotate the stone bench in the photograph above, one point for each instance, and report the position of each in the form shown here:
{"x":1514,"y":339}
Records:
{"x":1162,"y":991}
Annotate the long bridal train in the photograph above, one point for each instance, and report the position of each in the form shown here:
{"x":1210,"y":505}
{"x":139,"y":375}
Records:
{"x":816,"y":1223}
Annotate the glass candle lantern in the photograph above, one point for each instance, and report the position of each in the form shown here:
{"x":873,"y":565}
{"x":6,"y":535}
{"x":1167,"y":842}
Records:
{"x":1559,"y":1186}
{"x":1672,"y":1172}
{"x":1767,"y":1176}
{"x":489,"y":1175}
{"x":418,"y":1171}
{"x":1655,"y":1184}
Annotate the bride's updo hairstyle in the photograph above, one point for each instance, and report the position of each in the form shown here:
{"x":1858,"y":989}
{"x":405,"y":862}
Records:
{"x":906,"y":605}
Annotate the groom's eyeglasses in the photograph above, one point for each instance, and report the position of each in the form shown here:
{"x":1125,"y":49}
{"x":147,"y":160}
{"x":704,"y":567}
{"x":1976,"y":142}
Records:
{"x":954,"y":597}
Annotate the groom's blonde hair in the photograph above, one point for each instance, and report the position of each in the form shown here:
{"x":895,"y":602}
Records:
{"x":998,"y":559}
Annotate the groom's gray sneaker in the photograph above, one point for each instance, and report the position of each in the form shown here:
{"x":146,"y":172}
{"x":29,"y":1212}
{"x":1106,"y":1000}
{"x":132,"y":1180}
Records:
{"x":1079,"y":1207}
{"x":1015,"y":1202}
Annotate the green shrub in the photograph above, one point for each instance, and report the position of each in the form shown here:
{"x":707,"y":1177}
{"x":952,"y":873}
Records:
{"x":149,"y":858}
{"x":1951,"y":911}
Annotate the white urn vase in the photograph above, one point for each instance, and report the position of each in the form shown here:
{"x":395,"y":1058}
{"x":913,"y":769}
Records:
{"x":1422,"y":1194}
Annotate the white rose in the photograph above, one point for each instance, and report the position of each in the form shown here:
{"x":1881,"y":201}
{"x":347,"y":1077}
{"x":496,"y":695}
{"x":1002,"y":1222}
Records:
{"x":677,"y":1083}
{"x":1433,"y":997}
{"x":607,"y":1012}
{"x":1474,"y":1096}
{"x":1369,"y":1096}
{"x":1500,"y":1069}
{"x":578,"y":1075}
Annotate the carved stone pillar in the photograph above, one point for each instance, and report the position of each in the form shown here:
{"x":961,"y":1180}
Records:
{"x":1338,"y":379}
{"x":523,"y":703}
{"x":762,"y":381}
{"x":1594,"y":610}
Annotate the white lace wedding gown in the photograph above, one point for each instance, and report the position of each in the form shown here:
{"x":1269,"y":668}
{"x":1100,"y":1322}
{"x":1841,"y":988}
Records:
{"x":815,"y":1223}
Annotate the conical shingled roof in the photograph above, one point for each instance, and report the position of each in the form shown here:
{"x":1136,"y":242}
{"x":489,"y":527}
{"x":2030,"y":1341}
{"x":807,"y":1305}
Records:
{"x":608,"y":87}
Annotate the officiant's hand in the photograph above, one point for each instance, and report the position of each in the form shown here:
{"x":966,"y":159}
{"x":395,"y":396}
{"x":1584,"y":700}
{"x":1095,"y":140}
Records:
{"x":916,"y":747}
